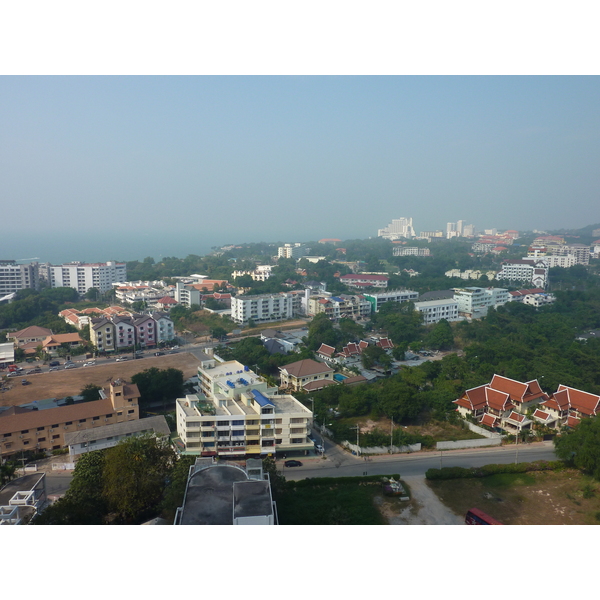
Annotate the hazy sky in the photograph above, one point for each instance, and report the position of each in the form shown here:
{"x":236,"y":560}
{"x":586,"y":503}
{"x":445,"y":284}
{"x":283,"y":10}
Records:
{"x":234,"y":159}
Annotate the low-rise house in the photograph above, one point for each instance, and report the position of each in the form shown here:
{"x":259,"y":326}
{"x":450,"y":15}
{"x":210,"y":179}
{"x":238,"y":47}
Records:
{"x":296,"y":375}
{"x":29,"y":335}
{"x":55,"y":341}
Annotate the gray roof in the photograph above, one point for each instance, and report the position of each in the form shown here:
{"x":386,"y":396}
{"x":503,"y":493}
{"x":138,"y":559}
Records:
{"x":437,"y":295}
{"x":209,"y":495}
{"x":251,"y":498}
{"x":157,"y":424}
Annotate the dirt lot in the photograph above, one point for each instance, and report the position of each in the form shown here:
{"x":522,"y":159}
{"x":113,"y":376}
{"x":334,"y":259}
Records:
{"x":70,"y":382}
{"x":538,"y":498}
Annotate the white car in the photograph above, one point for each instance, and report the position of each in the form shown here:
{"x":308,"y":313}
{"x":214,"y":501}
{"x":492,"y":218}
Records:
{"x":89,"y":364}
{"x":319,"y":448}
{"x":122,"y":358}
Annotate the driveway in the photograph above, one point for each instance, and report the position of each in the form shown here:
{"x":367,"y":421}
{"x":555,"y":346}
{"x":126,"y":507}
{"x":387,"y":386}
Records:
{"x":426,"y":508}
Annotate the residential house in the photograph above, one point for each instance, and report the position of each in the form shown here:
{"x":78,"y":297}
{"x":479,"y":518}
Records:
{"x":296,"y":376}
{"x":362,"y":280}
{"x":33,"y":334}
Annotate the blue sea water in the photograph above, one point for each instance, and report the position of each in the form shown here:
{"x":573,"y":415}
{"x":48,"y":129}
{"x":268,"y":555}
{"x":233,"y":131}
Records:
{"x":79,"y":246}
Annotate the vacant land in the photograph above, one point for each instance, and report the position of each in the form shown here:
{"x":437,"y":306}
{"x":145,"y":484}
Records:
{"x":537,"y":498}
{"x":69,"y":382}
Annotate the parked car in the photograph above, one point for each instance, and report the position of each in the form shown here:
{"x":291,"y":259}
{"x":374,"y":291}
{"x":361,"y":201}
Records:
{"x":13,"y":374}
{"x":89,"y":364}
{"x":54,"y":363}
{"x":52,"y":369}
{"x":319,"y":448}
{"x":70,"y":366}
{"x":159,"y":354}
{"x":122,"y":358}
{"x":172,"y":351}
{"x":293,"y":463}
{"x":25,"y":382}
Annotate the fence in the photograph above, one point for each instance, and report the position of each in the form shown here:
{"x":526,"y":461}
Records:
{"x":481,"y":431}
{"x":468,"y":444}
{"x":381,"y":449}
{"x":68,"y":466}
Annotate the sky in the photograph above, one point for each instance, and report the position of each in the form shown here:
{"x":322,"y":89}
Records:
{"x":169,"y":163}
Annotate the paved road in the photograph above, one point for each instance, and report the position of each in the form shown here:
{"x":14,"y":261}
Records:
{"x":340,"y":464}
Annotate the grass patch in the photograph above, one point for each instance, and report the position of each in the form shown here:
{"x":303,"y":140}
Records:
{"x":349,"y":501}
{"x":564,"y":497}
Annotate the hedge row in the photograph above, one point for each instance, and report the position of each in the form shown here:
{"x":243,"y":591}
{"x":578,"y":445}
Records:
{"x":325,"y":481}
{"x":462,"y":473}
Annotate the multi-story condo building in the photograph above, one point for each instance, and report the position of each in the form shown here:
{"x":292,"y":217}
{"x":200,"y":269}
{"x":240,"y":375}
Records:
{"x":292,"y":251}
{"x":14,"y":277}
{"x":338,"y":307}
{"x":565,"y":261}
{"x":474,"y":302}
{"x":411,"y":251}
{"x":83,"y":276}
{"x":237,"y":414}
{"x":44,"y":429}
{"x":124,"y":331}
{"x":434,"y":311}
{"x":534,"y":271}
{"x":378,"y":298}
{"x":427,"y":235}
{"x":261,"y":273}
{"x":262,"y":308}
{"x":165,"y":330}
{"x":398,"y":228}
{"x":102,"y":334}
{"x":364,"y":280}
{"x":581,"y":252}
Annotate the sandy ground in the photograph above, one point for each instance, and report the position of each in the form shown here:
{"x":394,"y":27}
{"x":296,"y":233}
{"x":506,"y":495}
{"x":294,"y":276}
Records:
{"x":59,"y":384}
{"x":424,"y":508}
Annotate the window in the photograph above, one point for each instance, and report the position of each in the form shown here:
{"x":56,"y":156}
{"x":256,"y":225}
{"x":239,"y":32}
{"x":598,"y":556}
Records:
{"x":42,"y":439}
{"x":208,"y":434}
{"x":82,"y":420}
{"x":237,"y":422}
{"x":25,"y":431}
{"x":95,"y":418}
{"x":222,"y":423}
{"x":40,"y":429}
{"x":7,"y":435}
{"x":55,"y":437}
{"x":25,"y":442}
{"x":130,"y":412}
{"x":67,"y":423}
{"x":54,"y":426}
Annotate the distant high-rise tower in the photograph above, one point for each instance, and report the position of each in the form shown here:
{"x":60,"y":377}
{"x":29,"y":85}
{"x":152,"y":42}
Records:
{"x":398,"y":228}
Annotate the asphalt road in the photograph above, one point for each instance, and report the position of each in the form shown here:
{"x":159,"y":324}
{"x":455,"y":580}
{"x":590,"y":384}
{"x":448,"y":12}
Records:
{"x":340,"y":464}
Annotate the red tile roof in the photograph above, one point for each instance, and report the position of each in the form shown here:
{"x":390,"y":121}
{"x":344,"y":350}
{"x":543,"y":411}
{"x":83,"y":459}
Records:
{"x":583,"y":402}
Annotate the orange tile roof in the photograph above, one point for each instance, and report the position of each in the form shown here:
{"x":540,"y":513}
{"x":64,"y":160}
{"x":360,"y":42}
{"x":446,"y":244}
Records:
{"x":583,"y":402}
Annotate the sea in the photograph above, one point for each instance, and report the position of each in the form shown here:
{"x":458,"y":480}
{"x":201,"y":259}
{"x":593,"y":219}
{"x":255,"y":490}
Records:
{"x":79,"y":246}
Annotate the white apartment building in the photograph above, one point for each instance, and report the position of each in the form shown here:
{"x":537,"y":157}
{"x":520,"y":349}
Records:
{"x":398,"y":228}
{"x":565,"y":261}
{"x":14,"y":277}
{"x":378,"y":298}
{"x":411,"y":251}
{"x":434,"y":311}
{"x":262,"y":308}
{"x":261,"y":273}
{"x":338,"y":307}
{"x":534,"y":271}
{"x":291,"y":251}
{"x":475,"y":301}
{"x":581,"y":252}
{"x":83,"y":276}
{"x":237,"y":414}
{"x":165,"y":330}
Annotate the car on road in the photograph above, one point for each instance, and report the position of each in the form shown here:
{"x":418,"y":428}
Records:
{"x":52,"y":369}
{"x":175,"y":348}
{"x":172,"y":351}
{"x":13,"y":374}
{"x":70,"y":366}
{"x":89,"y":364}
{"x":293,"y":463}
{"x":319,"y":448}
{"x":54,"y":363}
{"x":159,"y":354}
{"x":122,"y":358}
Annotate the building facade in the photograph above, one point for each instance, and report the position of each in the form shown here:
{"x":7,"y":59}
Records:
{"x":262,"y":308}
{"x":14,"y":277}
{"x":474,"y":302}
{"x":83,"y":276}
{"x":377,"y":299}
{"x":434,"y":311}
{"x":237,"y":414}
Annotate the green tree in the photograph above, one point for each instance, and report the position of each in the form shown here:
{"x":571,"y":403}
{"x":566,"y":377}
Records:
{"x":90,"y":392}
{"x":581,"y":446}
{"x":159,"y":385}
{"x":92,"y":294}
{"x":135,"y":476}
{"x":440,"y":337}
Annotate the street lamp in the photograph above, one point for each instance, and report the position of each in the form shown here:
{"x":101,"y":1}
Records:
{"x":357,"y":434}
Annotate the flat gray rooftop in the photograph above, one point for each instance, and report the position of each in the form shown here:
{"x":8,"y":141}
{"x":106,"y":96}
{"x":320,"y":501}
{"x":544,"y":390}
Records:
{"x":252,"y":499}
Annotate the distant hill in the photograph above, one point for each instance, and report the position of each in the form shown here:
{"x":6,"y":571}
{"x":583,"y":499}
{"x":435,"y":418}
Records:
{"x":582,"y":236}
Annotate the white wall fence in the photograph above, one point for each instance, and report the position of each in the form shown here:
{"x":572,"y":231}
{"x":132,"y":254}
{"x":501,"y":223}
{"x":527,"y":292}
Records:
{"x":469,"y":444}
{"x":381,"y":449}
{"x":481,"y":431}
{"x":30,"y":468}
{"x":67,"y":466}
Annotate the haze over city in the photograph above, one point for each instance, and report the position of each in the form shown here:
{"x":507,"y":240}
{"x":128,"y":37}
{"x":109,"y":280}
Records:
{"x":167,"y":166}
